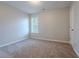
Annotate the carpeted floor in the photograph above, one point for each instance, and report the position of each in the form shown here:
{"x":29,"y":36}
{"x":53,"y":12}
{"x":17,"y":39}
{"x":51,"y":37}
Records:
{"x":33,"y":48}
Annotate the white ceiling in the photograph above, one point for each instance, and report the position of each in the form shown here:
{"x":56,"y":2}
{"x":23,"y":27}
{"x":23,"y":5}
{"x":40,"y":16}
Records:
{"x":28,"y":7}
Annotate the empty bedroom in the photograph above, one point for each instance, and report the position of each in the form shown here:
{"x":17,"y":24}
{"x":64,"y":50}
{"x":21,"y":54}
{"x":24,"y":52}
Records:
{"x":39,"y":29}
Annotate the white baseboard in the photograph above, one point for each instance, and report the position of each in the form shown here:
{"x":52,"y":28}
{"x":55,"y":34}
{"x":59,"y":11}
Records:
{"x":76,"y":52}
{"x":42,"y":38}
{"x":9,"y":43}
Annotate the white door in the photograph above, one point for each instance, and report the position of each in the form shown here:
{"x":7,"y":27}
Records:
{"x":74,"y":26}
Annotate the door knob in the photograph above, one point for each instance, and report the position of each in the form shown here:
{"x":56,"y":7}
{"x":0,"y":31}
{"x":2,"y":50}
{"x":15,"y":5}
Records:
{"x":72,"y":29}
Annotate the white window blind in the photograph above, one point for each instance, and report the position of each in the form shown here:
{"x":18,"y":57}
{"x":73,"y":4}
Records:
{"x":34,"y":24}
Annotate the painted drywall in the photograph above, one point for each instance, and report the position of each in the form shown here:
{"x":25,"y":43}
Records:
{"x":74,"y":23}
{"x":53,"y":24}
{"x":13,"y":24}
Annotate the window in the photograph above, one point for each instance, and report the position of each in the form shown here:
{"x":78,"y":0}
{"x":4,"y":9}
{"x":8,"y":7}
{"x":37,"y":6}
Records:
{"x":34,"y":24}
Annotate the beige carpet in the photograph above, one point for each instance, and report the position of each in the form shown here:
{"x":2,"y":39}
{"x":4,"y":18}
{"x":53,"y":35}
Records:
{"x":38,"y":49}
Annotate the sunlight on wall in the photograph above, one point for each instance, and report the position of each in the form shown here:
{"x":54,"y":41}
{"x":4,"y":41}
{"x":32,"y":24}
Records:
{"x":24,"y":26}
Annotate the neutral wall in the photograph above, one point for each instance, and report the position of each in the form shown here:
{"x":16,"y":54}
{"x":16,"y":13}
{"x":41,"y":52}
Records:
{"x":74,"y":23}
{"x":13,"y":24}
{"x":53,"y":24}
